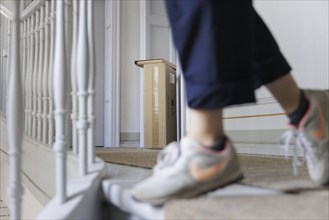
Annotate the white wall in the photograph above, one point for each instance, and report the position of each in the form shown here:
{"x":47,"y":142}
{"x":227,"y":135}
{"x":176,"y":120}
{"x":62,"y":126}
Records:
{"x":130,"y":74}
{"x":301,"y":30}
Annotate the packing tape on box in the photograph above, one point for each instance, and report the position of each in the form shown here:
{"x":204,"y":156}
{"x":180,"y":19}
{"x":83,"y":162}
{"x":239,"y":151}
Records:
{"x":155,"y":105}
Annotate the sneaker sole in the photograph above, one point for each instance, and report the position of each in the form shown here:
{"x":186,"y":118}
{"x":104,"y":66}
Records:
{"x":195,"y":191}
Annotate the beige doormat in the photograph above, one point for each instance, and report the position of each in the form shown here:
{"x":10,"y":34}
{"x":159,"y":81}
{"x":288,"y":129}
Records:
{"x":267,"y":172}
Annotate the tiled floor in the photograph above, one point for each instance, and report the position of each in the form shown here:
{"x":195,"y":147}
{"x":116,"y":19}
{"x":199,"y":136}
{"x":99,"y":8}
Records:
{"x":4,"y":212}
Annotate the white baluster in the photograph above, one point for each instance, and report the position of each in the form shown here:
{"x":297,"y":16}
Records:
{"x":82,"y":79}
{"x":24,"y":71}
{"x":60,"y":84}
{"x":29,"y":84}
{"x":50,"y":78}
{"x":45,"y":93}
{"x":74,"y":114}
{"x":68,"y":43}
{"x":21,"y":46}
{"x":27,"y":66}
{"x":8,"y":61}
{"x":40,"y":73}
{"x":22,"y":5}
{"x":15,"y":121}
{"x":91,"y":84}
{"x":22,"y":53}
{"x":35,"y":75}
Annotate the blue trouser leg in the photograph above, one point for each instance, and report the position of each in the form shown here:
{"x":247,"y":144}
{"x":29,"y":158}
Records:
{"x":225,"y":49}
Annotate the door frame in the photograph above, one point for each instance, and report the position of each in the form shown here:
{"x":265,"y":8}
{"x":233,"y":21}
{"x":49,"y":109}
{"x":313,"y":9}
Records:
{"x":112,"y":74}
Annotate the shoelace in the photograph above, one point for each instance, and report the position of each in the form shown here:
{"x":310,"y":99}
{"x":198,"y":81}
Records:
{"x":286,"y":140}
{"x":167,"y":157}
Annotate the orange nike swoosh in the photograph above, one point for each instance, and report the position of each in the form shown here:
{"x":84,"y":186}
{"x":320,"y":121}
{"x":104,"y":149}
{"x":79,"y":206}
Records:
{"x":201,"y":174}
{"x":320,"y":132}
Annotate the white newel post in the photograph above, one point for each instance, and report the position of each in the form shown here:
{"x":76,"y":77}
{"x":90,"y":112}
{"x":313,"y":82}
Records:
{"x":40,"y":73}
{"x":91,"y":84}
{"x":82,"y":79}
{"x":74,"y":115}
{"x":15,"y":120}
{"x":50,"y":78}
{"x":45,"y":94}
{"x":60,"y":93}
{"x":35,"y":75}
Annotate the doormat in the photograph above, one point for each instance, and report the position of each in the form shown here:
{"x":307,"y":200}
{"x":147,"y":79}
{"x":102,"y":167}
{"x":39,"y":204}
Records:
{"x":262,"y":171}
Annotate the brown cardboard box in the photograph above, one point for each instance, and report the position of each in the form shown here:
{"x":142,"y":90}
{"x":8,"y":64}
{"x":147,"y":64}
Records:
{"x":159,"y":102}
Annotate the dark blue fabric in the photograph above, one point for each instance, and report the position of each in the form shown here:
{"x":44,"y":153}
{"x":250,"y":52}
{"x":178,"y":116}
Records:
{"x":225,"y":50}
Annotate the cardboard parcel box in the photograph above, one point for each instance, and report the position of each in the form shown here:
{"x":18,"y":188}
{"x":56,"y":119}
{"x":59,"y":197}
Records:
{"x":159,"y":102}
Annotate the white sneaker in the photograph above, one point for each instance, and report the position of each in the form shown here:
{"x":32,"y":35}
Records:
{"x":312,"y":136}
{"x":187,"y":170}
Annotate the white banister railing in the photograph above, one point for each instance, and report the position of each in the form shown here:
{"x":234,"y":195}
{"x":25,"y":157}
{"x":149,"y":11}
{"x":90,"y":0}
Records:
{"x":40,"y":73}
{"x":6,"y":12}
{"x":44,"y":31}
{"x":28,"y":82}
{"x":91,"y":83}
{"x":68,"y":48}
{"x":26,"y":73}
{"x":15,"y":119}
{"x":45,"y":93}
{"x":30,"y":9}
{"x":22,"y":54}
{"x":74,"y":115}
{"x":9,"y":38}
{"x":82,"y":82}
{"x":35,"y":74}
{"x":60,"y":84}
{"x":50,"y":78}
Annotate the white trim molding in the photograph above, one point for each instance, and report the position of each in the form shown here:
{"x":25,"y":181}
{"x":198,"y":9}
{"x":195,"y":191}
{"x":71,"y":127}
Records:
{"x":112,"y":74}
{"x":143,"y":54}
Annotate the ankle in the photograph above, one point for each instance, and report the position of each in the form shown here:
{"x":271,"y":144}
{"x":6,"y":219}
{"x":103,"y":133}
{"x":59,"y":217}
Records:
{"x":298,"y":113}
{"x":206,"y":139}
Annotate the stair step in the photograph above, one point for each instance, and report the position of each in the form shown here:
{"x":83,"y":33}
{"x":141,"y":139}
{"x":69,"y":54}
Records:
{"x":121,"y":178}
{"x":117,"y":191}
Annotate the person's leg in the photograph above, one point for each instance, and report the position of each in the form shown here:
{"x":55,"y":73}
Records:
{"x":286,"y":92}
{"x":308,"y":111}
{"x":217,"y":67}
{"x":206,"y":126}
